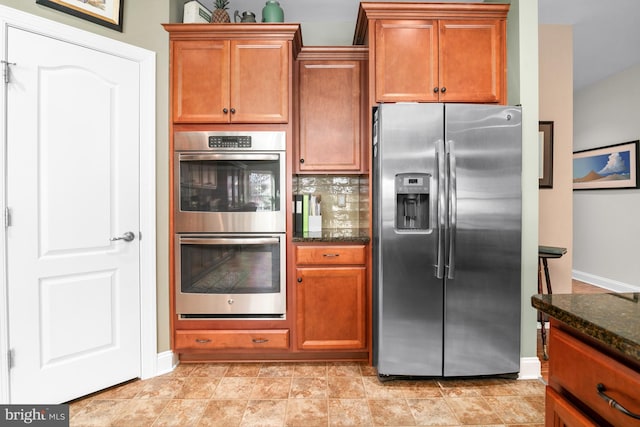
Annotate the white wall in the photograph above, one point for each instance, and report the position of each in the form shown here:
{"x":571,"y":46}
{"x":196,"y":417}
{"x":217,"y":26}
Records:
{"x":606,"y":228}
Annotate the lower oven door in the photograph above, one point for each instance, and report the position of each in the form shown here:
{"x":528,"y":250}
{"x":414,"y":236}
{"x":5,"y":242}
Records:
{"x":230,"y":276}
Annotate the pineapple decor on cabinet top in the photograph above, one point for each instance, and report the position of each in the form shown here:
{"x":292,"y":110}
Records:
{"x":220,"y":14}
{"x":271,"y":12}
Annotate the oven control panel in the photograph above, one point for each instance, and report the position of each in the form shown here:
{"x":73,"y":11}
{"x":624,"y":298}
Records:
{"x":227,"y":141}
{"x":245,"y":140}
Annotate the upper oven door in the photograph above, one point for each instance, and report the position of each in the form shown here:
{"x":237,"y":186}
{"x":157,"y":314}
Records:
{"x":230,"y":192}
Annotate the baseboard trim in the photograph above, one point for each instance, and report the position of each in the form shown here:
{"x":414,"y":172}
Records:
{"x":603,"y":282}
{"x":167,"y":362}
{"x":530,"y":368}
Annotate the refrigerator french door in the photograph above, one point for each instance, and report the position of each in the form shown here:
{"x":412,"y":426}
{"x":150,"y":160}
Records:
{"x":446,"y":239}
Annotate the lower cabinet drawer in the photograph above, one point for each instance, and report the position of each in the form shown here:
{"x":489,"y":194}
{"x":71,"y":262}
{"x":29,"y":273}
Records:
{"x":330,"y":254}
{"x":232,"y":339}
{"x":587,"y":374}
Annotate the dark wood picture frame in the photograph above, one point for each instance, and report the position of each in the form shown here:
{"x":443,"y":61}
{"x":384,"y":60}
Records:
{"x":111,"y":17}
{"x":545,"y":139}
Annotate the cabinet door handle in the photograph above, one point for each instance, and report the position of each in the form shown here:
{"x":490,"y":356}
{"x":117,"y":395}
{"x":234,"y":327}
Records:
{"x":233,"y":111}
{"x":436,"y":89}
{"x":443,"y":90}
{"x":203,"y":340}
{"x":601,"y":392}
{"x":301,"y":160}
{"x":224,"y":110}
{"x":299,"y":279}
{"x":260,"y":340}
{"x":331,"y":255}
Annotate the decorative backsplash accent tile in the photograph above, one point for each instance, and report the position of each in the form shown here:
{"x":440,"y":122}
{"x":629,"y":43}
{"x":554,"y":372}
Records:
{"x":345,"y":198}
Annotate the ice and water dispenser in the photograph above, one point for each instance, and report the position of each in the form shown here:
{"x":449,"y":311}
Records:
{"x":412,"y":201}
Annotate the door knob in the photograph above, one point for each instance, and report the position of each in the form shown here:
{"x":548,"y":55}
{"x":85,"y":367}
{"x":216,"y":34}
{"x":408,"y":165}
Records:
{"x":127,"y":237}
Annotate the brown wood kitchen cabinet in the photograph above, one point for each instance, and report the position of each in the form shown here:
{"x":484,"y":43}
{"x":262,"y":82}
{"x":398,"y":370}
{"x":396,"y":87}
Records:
{"x":202,"y":340}
{"x":561,"y":413}
{"x":331,"y":94}
{"x":577,"y":365}
{"x":231,"y":73}
{"x":331,"y":297}
{"x":228,"y":77}
{"x":424,"y":52}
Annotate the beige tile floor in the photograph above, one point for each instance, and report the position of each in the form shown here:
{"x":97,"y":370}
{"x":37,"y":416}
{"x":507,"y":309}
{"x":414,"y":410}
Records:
{"x":311,"y":394}
{"x":308,"y":394}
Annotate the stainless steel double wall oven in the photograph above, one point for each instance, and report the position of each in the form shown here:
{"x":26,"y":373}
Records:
{"x":230,"y":223}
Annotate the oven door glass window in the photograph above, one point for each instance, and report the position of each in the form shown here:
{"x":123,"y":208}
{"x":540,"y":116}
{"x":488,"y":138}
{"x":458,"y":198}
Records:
{"x":231,"y":183}
{"x":231,"y":266}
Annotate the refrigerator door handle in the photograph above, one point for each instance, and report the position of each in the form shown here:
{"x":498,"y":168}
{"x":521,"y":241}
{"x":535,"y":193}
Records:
{"x":442,"y":208}
{"x":453,"y":212}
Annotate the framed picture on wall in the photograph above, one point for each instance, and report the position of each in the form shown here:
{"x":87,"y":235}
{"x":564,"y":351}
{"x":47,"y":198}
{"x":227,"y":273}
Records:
{"x":609,"y":167}
{"x":104,"y":12}
{"x":545,"y":148}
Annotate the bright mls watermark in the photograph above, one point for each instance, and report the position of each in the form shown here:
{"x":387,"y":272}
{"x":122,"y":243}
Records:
{"x":34,"y":415}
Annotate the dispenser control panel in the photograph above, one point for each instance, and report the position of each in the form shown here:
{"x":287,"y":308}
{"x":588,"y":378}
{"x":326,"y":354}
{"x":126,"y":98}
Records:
{"x":413,"y":184}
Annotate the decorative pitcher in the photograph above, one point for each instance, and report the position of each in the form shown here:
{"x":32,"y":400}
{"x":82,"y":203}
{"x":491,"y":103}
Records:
{"x":246,"y":16}
{"x":272,"y":12}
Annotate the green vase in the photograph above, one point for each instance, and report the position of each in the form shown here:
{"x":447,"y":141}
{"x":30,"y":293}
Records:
{"x":272,"y":12}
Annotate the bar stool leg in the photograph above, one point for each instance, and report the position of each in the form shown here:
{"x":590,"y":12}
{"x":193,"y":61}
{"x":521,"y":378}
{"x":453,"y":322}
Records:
{"x":546,"y":275}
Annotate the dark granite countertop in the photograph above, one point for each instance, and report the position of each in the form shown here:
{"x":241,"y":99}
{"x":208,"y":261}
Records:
{"x":329,"y":235}
{"x":612,"y":319}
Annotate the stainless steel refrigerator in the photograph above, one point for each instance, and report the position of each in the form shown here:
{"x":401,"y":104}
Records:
{"x":446,"y":239}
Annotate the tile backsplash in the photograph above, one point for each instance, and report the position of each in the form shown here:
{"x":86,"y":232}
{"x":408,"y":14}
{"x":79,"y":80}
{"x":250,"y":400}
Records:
{"x":345,"y":198}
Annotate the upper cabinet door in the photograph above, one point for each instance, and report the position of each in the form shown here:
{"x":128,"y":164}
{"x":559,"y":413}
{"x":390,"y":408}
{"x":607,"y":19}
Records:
{"x":200,"y":80}
{"x":406,"y":61}
{"x":259,"y":81}
{"x":435,"y":52}
{"x":472,"y":61}
{"x":330,"y":118}
{"x":232,"y":73}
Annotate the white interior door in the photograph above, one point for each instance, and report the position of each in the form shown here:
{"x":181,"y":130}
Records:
{"x":72,"y":186}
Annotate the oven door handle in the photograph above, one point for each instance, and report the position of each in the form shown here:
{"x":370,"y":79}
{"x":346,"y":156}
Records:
{"x":228,"y":240}
{"x":227,"y":156}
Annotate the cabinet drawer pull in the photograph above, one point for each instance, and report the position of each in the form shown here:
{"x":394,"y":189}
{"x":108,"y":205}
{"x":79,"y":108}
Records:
{"x":331,"y":255}
{"x":260,"y":340}
{"x":203,"y":340}
{"x":601,"y":392}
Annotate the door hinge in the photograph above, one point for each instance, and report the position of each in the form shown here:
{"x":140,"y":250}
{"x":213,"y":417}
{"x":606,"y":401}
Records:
{"x":11,"y":356}
{"x":7,"y":217}
{"x":5,"y":70}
